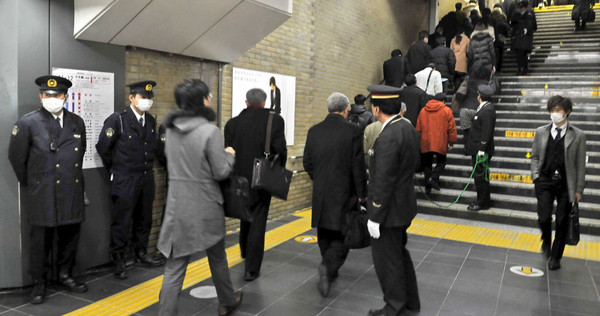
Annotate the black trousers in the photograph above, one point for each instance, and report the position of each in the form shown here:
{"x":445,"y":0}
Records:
{"x":482,"y":186}
{"x":522,"y":62}
{"x":252,"y":234}
{"x":42,"y":239}
{"x":546,"y":191}
{"x":395,"y":271}
{"x":333,"y":250}
{"x":499,"y":53}
{"x":583,"y":22}
{"x":427,"y":162}
{"x":132,"y":212}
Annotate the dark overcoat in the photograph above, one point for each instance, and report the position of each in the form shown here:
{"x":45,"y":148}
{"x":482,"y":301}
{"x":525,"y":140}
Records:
{"x":392,"y":200}
{"x":481,"y":136}
{"x":415,"y":99}
{"x":51,"y":178}
{"x":395,"y":70}
{"x":334,"y":160}
{"x":523,"y":27}
{"x":246,"y":133}
{"x":419,"y":55}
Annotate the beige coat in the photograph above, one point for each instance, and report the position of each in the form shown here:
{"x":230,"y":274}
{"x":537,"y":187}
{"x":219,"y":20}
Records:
{"x":460,"y":51}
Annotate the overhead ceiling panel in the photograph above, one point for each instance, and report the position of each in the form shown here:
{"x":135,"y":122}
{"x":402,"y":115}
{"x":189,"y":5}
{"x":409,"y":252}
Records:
{"x":100,"y":21}
{"x":237,"y":32}
{"x":173,"y":25}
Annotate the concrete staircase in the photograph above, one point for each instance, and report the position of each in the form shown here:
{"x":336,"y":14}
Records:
{"x":563,"y":62}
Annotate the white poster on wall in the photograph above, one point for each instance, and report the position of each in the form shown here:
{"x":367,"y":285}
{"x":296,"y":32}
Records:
{"x":92,"y":97}
{"x":246,"y":79}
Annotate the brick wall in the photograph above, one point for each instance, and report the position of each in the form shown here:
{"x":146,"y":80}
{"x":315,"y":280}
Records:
{"x":328,"y":45}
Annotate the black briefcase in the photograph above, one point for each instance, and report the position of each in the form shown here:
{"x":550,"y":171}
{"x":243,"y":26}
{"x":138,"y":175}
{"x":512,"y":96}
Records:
{"x":356,"y":234}
{"x":573,"y":229}
{"x":236,"y":198}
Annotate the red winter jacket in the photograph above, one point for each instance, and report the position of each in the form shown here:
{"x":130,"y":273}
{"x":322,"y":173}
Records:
{"x":437,"y":127}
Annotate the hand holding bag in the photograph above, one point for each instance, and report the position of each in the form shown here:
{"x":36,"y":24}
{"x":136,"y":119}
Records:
{"x":356,"y":233}
{"x":461,"y":92}
{"x":268,"y":174}
{"x":236,"y":197}
{"x":573,"y":229}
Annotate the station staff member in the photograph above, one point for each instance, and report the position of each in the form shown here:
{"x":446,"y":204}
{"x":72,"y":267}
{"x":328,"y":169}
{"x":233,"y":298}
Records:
{"x":46,"y":152}
{"x":127,"y":147}
{"x":392,"y":203}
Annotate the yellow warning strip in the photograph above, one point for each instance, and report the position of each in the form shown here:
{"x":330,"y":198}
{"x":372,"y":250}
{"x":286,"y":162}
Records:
{"x":145,"y":294}
{"x":557,"y":8}
{"x":519,"y":134}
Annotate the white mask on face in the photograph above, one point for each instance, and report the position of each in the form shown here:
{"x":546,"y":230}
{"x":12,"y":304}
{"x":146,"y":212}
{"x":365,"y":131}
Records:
{"x":144,"y":104}
{"x":557,"y":118}
{"x":53,"y":105}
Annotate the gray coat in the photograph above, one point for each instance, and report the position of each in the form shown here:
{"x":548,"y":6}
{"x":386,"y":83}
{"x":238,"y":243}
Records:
{"x":194,"y":217}
{"x":575,"y":153}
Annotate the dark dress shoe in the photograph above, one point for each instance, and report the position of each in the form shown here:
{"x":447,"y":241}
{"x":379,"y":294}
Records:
{"x":376,"y":312}
{"x":142,"y":257}
{"x":324,"y":283}
{"x":474,"y":207}
{"x":435,"y":185}
{"x":251,"y":276}
{"x":554,"y":264}
{"x":38,"y":295}
{"x":120,"y":272}
{"x":546,"y":250}
{"x":227,"y":310}
{"x":71,"y":284}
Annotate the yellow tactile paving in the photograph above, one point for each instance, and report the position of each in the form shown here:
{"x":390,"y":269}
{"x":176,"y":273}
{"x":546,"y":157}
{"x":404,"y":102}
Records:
{"x":145,"y":294}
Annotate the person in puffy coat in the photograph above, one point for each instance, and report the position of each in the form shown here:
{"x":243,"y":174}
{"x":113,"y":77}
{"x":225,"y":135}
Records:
{"x":358,"y":114}
{"x":444,"y":60}
{"x":523,"y":25}
{"x":437,"y":129}
{"x":194,"y":219}
{"x":481,"y":46}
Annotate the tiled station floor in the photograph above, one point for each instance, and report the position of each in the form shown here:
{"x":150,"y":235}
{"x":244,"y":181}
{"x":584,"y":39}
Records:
{"x":455,"y":278}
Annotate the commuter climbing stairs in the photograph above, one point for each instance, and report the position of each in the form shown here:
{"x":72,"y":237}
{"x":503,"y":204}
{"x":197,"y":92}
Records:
{"x":562,"y":62}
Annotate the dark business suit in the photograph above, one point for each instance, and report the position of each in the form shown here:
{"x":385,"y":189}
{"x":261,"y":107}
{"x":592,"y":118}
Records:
{"x":276,"y":100}
{"x":415,"y":99}
{"x":395,"y":70}
{"x":481,"y":138}
{"x":246,"y":133}
{"x":392,"y":203}
{"x":334,"y":160}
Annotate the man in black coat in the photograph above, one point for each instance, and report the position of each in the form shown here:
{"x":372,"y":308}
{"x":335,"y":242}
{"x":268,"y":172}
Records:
{"x":445,"y":61}
{"x":481,"y":146}
{"x":419,"y":53}
{"x":358,"y":114}
{"x":275,"y":96}
{"x":46,"y":152}
{"x":524,"y":24}
{"x":392,"y":203}
{"x":127,"y":145}
{"x":333,"y":158}
{"x":414,"y":98}
{"x":395,"y":69}
{"x":247,"y":133}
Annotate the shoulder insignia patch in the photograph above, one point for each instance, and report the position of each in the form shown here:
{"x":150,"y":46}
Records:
{"x":110,"y":132}
{"x":15,"y":130}
{"x":376,"y":205}
{"x":77,"y":135}
{"x":162,"y":138}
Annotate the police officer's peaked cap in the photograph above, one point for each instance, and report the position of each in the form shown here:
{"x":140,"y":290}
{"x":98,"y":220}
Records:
{"x":379,"y":91}
{"x":53,"y":84}
{"x":142,"y":87}
{"x":485,"y":90}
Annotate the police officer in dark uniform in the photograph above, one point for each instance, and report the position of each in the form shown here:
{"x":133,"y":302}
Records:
{"x":46,"y":152}
{"x":127,"y":147}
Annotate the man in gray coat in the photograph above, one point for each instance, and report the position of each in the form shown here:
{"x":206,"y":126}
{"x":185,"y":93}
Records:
{"x":333,"y":158}
{"x":558,"y":172}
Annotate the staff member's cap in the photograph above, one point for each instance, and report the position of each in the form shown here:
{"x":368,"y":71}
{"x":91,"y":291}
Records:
{"x":143,"y":88}
{"x":53,"y":84}
{"x":379,"y":91}
{"x":485,"y":90}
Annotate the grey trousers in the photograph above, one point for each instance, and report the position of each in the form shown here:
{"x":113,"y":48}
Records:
{"x":175,"y":269}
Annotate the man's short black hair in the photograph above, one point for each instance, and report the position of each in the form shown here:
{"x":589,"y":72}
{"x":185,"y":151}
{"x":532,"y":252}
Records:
{"x":410,"y":80}
{"x":458,"y":6}
{"x":360,"y":99}
{"x":423,"y":35}
{"x":564,"y":103}
{"x":396,"y":52}
{"x":388,"y":106}
{"x":440,"y":41}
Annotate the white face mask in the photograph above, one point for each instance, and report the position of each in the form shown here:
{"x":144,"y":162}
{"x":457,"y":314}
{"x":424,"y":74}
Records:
{"x":53,"y":105}
{"x":144,"y":104}
{"x":556,"y":118}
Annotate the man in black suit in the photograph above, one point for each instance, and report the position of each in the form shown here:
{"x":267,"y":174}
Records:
{"x":414,"y":98}
{"x":419,"y":53}
{"x":275,"y":96}
{"x":334,"y":160}
{"x":395,"y":69}
{"x":392,"y":203}
{"x":246,"y":133}
{"x":481,"y":146}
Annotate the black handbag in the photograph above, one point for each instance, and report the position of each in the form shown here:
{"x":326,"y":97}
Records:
{"x":461,"y":92}
{"x":268,"y":174}
{"x":236,"y":198}
{"x":356,"y":234}
{"x":591,"y":17}
{"x":573,"y":229}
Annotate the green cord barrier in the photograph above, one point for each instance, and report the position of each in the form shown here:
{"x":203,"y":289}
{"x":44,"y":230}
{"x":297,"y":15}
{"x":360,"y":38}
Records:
{"x":478,"y":160}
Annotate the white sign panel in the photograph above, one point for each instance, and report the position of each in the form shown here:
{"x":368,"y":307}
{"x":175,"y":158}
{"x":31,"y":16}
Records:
{"x":92,"y":97}
{"x":246,"y":79}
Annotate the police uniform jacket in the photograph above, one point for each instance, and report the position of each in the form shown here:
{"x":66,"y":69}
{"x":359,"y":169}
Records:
{"x":126,"y":147}
{"x":481,"y":136}
{"x":392,"y":201}
{"x":48,"y":163}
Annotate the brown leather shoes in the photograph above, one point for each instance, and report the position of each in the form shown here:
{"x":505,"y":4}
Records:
{"x":227,"y":310}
